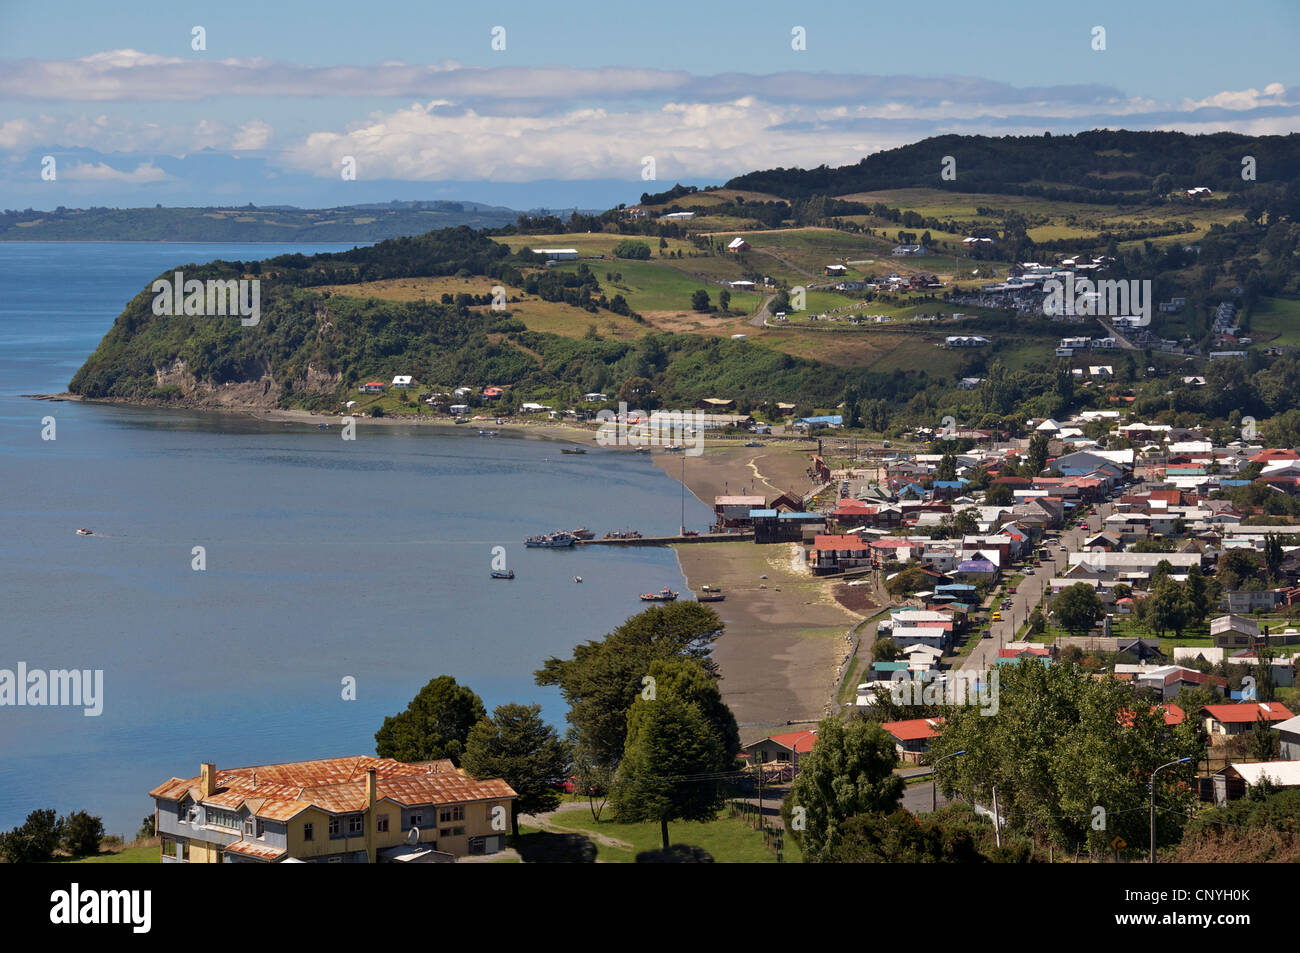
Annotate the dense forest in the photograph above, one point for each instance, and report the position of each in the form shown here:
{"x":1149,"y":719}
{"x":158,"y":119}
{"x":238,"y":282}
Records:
{"x":1100,"y":166}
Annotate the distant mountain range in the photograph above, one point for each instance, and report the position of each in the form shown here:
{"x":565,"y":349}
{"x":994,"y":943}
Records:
{"x":277,"y":223}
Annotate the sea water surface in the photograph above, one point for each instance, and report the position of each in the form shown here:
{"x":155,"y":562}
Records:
{"x":325,"y":559}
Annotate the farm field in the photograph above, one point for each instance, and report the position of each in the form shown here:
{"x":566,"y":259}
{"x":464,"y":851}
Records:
{"x":1276,"y":321}
{"x":551,"y":317}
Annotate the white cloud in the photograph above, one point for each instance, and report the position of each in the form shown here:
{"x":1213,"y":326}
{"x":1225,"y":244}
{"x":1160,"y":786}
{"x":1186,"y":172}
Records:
{"x":1274,"y":94}
{"x":252,"y":136}
{"x":102,"y":172}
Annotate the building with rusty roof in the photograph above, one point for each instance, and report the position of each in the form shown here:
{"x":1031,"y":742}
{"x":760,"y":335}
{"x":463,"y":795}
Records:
{"x":335,"y":810}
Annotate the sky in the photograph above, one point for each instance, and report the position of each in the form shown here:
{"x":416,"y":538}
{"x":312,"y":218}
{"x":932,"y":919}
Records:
{"x":589,"y":104}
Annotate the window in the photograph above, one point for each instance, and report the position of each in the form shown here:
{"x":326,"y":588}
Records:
{"x":249,"y":827}
{"x":354,"y":824}
{"x":180,"y":850}
{"x":168,"y":847}
{"x":381,"y":824}
{"x":416,"y":819}
{"x":456,"y":813}
{"x":306,"y":832}
{"x":261,"y":828}
{"x":451,"y":832}
{"x":182,"y":812}
{"x":336,"y":826}
{"x":220,"y":818}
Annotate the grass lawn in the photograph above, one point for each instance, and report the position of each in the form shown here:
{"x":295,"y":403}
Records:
{"x":727,"y":839}
{"x":144,"y":854}
{"x":1276,"y":321}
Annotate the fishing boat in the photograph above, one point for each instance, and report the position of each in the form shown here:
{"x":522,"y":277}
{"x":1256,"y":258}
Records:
{"x":710,"y":597}
{"x":577,"y":579}
{"x":641,"y":450}
{"x":674,"y":448}
{"x":663,"y":595}
{"x":573,"y":450}
{"x":623,"y":534}
{"x":488,"y":433}
{"x":550,"y":541}
{"x":583,"y":533}
{"x":503,"y":574}
{"x":84,"y":532}
{"x":752,"y":443}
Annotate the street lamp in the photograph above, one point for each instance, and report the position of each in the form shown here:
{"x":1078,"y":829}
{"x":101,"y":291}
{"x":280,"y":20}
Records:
{"x":1153,"y":801}
{"x":934,"y":780}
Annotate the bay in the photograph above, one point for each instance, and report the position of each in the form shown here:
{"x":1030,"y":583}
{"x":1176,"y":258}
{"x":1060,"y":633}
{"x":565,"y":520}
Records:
{"x":325,"y":559}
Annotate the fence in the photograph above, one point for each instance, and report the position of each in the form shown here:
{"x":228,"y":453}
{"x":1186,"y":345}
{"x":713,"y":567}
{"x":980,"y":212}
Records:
{"x":773,"y":837}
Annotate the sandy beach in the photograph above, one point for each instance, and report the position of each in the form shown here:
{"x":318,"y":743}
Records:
{"x":785,"y":633}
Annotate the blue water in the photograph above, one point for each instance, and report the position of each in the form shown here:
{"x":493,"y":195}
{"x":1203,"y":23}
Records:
{"x":325,"y":559}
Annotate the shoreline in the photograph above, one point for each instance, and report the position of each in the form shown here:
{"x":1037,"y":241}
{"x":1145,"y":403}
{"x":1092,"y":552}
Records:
{"x":781,"y":654}
{"x":786,"y":636}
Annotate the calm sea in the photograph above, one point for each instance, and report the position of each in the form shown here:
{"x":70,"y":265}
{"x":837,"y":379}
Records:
{"x":325,"y":558}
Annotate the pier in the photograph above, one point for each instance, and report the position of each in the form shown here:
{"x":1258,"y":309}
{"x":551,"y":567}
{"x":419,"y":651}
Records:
{"x":670,"y":540}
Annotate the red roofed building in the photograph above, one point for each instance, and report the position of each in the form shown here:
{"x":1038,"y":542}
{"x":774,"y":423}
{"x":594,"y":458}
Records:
{"x":334,"y":810}
{"x":787,"y":747}
{"x":1224,"y":721}
{"x":912,"y":737}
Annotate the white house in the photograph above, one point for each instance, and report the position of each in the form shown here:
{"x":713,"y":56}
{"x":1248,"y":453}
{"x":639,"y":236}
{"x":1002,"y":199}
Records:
{"x":556,"y":254}
{"x":402,"y":381}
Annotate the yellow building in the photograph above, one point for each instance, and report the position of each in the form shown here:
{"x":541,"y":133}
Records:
{"x":336,"y":810}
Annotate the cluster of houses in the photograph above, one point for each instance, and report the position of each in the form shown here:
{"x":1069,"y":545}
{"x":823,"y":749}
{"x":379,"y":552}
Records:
{"x":884,"y":528}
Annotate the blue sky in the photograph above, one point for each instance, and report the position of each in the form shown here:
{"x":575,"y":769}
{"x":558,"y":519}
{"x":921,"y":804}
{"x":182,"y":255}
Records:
{"x":583,"y":92}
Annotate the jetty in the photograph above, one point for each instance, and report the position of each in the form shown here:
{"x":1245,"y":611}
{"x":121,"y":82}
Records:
{"x":670,"y":540}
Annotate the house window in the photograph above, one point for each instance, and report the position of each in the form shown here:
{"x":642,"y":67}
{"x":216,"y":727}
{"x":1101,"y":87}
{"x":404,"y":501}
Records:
{"x":249,"y":827}
{"x":354,"y":824}
{"x":182,"y":812}
{"x":260,"y":828}
{"x":381,"y":824}
{"x":456,"y":813}
{"x":415,"y":820}
{"x":307,"y":832}
{"x":168,"y":847}
{"x":451,"y":832}
{"x":335,"y":827}
{"x":180,"y":850}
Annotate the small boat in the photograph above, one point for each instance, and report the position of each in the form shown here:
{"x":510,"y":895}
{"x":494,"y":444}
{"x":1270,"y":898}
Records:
{"x":488,"y":433}
{"x":641,"y":450}
{"x":84,"y":532}
{"x":710,"y":597}
{"x":583,"y":533}
{"x":674,"y":448}
{"x":503,"y":574}
{"x":752,"y":443}
{"x":573,"y":450}
{"x":577,"y":579}
{"x":663,"y":595}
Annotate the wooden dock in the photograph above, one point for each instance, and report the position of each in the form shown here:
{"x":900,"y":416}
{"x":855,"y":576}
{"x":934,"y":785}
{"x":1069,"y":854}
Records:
{"x":670,"y":540}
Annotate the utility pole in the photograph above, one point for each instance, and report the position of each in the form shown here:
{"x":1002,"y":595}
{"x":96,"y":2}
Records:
{"x":997,"y":817}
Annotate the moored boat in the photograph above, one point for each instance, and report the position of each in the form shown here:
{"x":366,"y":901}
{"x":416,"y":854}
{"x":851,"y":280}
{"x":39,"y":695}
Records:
{"x":503,"y":574}
{"x":663,"y":595}
{"x":550,"y":541}
{"x":573,"y":450}
{"x":582,"y":533}
{"x":84,"y":532}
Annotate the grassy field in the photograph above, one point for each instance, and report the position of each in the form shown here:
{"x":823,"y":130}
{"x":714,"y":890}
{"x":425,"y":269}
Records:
{"x":146,"y":853}
{"x":1276,"y":321}
{"x":551,"y":317}
{"x":727,"y":840}
{"x":591,"y":244}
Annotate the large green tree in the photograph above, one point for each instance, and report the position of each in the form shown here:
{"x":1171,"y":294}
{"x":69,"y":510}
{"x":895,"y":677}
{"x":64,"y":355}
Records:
{"x":604,"y":677}
{"x":849,"y":771}
{"x":1077,"y":607}
{"x":673,"y":762}
{"x":1062,"y":745}
{"x":434,"y":725}
{"x":515,"y":744}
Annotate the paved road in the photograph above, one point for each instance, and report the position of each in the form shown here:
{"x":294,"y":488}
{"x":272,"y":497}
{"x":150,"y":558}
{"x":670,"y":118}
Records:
{"x":1030,"y":591}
